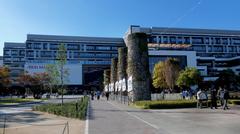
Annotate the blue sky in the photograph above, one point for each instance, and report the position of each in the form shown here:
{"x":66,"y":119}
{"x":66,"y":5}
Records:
{"x":110,"y":17}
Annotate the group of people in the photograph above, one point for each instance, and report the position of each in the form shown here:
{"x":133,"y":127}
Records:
{"x":222,"y":95}
{"x":98,"y":94}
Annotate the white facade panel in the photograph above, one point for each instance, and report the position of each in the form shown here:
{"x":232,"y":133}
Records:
{"x":191,"y":55}
{"x":74,"y":70}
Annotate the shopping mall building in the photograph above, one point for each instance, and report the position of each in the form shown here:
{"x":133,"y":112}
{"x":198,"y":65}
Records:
{"x":210,"y":51}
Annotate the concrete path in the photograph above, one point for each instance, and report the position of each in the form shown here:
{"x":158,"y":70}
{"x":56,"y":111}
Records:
{"x":20,"y":119}
{"x":114,"y":118}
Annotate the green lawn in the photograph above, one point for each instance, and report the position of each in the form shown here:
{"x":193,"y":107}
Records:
{"x":9,"y":101}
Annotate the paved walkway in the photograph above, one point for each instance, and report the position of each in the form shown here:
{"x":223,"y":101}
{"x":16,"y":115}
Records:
{"x":22,"y":120}
{"x":114,"y":118}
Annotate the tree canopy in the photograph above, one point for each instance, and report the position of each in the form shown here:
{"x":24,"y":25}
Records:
{"x":165,"y":73}
{"x":188,"y":77}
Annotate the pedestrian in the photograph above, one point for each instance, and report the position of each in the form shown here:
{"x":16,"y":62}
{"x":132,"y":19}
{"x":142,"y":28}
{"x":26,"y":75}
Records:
{"x":221,"y":96}
{"x":225,"y":99}
{"x":107,"y":95}
{"x":213,"y":98}
{"x":98,"y":95}
{"x":92,"y":95}
{"x":199,"y":99}
{"x":183,"y":94}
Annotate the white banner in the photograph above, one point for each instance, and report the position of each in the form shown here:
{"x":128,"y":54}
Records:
{"x":130,"y":84}
{"x":116,"y":86}
{"x":124,"y":85}
{"x":120,"y":85}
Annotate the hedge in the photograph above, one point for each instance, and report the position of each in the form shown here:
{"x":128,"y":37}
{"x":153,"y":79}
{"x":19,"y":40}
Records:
{"x":166,"y":104}
{"x":171,"y":104}
{"x":72,"y":109}
{"x":234,"y":102}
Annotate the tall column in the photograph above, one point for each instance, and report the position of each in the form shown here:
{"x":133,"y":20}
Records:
{"x":113,"y":76}
{"x":106,"y":79}
{"x":138,"y":66}
{"x":122,"y":65}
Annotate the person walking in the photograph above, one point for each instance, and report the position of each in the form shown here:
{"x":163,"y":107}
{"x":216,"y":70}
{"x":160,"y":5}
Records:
{"x":92,"y":95}
{"x":107,"y":95}
{"x":225,"y":99}
{"x":199,"y":99}
{"x":221,"y":96}
{"x":213,"y":98}
{"x":98,"y":95}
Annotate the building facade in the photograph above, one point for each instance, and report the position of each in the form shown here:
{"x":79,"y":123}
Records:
{"x":14,"y":58}
{"x":209,"y":50}
{"x":84,"y":54}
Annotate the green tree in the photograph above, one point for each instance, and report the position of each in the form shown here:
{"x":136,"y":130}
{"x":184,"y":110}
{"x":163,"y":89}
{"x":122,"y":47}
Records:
{"x":5,"y":80}
{"x":172,"y":69}
{"x":188,"y":77}
{"x":227,"y":79}
{"x":158,"y":77}
{"x":63,"y":72}
{"x":54,"y":76}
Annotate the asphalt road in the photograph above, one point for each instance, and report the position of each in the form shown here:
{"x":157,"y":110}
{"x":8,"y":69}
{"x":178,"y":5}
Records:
{"x":114,"y":118}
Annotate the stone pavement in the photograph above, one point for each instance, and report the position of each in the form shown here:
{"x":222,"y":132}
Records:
{"x":114,"y":118}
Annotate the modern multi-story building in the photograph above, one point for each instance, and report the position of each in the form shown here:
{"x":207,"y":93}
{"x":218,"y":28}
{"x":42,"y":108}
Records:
{"x":209,"y":50}
{"x":14,"y":58}
{"x":1,"y":61}
{"x":84,"y":54}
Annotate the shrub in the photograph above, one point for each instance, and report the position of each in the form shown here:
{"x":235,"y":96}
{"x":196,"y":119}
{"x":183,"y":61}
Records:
{"x":234,"y":102}
{"x":72,"y":109}
{"x":166,"y":104}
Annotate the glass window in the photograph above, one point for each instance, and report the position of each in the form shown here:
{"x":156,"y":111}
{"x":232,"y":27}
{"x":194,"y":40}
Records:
{"x":186,"y":40}
{"x":207,"y":40}
{"x":197,"y":40}
{"x":232,"y":48}
{"x":30,"y":54}
{"x":103,"y":48}
{"x":209,"y":48}
{"x":173,"y":40}
{"x":165,"y":39}
{"x":87,"y":55}
{"x":46,"y":53}
{"x":73,"y":47}
{"x":224,"y":41}
{"x":217,"y":48}
{"x":179,"y":40}
{"x":236,"y":41}
{"x":152,"y":39}
{"x":217,"y":41}
{"x":54,"y":46}
{"x":199,"y":48}
{"x":45,"y":46}
{"x":7,"y":52}
{"x":90,"y":47}
{"x":22,"y":53}
{"x":103,"y":55}
{"x":114,"y":48}
{"x":14,"y":52}
{"x":37,"y":45}
{"x":115,"y":55}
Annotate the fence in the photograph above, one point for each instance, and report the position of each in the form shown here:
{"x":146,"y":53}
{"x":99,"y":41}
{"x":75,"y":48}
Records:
{"x":172,"y":96}
{"x":128,"y":99}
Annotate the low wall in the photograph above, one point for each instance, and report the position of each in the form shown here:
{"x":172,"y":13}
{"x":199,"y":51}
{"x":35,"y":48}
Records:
{"x":174,"y":96}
